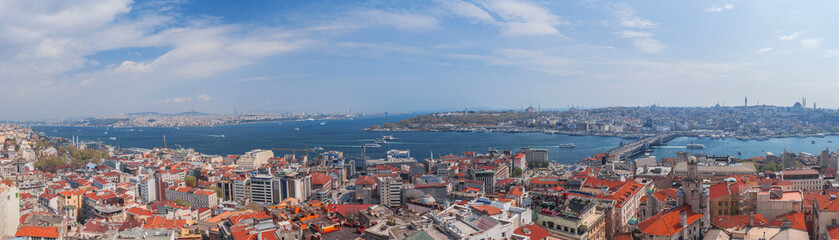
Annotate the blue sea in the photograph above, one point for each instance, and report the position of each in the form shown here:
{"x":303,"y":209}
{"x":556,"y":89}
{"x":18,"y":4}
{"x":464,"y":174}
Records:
{"x":348,"y":136}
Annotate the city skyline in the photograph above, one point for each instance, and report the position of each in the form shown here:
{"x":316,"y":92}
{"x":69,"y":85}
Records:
{"x":94,"y":58}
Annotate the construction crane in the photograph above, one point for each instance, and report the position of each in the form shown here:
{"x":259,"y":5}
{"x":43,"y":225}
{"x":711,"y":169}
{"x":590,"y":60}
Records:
{"x":294,"y":151}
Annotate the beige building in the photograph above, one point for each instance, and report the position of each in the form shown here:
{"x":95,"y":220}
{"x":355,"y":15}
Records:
{"x":10,"y":209}
{"x":195,"y":197}
{"x":774,"y":202}
{"x":254,"y":158}
{"x":803,"y":179}
{"x":576,"y":218}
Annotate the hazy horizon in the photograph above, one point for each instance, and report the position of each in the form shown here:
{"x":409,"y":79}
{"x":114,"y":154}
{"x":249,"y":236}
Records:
{"x":102,"y":58}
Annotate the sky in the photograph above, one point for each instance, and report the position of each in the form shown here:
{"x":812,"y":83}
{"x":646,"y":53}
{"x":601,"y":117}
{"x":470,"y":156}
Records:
{"x":64,"y":59}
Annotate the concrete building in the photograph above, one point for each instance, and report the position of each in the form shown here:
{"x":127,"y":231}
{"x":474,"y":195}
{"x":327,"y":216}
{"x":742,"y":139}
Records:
{"x":390,"y":191}
{"x":715,"y":173}
{"x":148,"y":189}
{"x":575,"y":218}
{"x":254,"y":158}
{"x":263,"y":190}
{"x":538,"y":156}
{"x":774,"y":202}
{"x":195,"y":197}
{"x":295,"y":185}
{"x":10,"y":209}
{"x":488,"y":177}
{"x":803,"y":179}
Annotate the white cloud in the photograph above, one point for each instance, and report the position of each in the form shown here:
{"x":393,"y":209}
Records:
{"x":763,"y":50}
{"x":719,"y":8}
{"x":512,"y":17}
{"x":811,"y":43}
{"x":178,"y":100}
{"x":648,"y":45}
{"x":634,"y":34}
{"x":203,"y":97}
{"x":403,"y":21}
{"x":829,"y":53}
{"x":791,"y":36}
{"x":644,"y":41}
{"x":628,"y":18}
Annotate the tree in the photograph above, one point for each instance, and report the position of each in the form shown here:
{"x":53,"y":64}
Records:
{"x":50,"y":164}
{"x":182,"y":202}
{"x":517,"y":172}
{"x":219,"y":193}
{"x":255,"y":207}
{"x":190,"y":181}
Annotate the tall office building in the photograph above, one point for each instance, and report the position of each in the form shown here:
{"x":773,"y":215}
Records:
{"x":10,"y":209}
{"x":390,"y":191}
{"x":148,"y":189}
{"x":262,"y":190}
{"x":295,"y":185}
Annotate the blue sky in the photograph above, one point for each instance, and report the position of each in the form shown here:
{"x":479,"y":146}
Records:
{"x":106,"y":57}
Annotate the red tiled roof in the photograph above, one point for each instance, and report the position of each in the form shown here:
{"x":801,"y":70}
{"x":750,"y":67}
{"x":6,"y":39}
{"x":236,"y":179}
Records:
{"x":487,"y":209}
{"x":347,"y":209}
{"x":36,"y":231}
{"x":545,"y":180}
{"x":719,"y":190}
{"x":365,"y":180}
{"x":534,"y":231}
{"x":739,"y":221}
{"x":139,"y":211}
{"x":833,"y":232}
{"x":667,"y":223}
{"x":516,"y":191}
{"x":625,"y":192}
{"x":795,"y":218}
{"x":158,"y":222}
{"x":320,"y":179}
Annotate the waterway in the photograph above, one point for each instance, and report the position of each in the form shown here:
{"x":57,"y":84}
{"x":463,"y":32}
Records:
{"x":348,"y":136}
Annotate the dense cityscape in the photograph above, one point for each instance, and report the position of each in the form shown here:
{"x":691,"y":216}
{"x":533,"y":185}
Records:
{"x":70,"y":188}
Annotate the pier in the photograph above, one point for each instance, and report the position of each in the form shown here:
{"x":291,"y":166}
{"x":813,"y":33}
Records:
{"x":626,"y":151}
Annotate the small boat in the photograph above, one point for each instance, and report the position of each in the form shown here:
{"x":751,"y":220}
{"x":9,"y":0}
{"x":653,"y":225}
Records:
{"x":113,"y":138}
{"x":813,"y":142}
{"x":381,"y":140}
{"x":296,"y":129}
{"x":739,"y":152}
{"x":55,"y":130}
{"x":695,"y":146}
{"x":372,"y":145}
{"x":106,"y":132}
{"x":220,"y":135}
{"x":567,"y":145}
{"x":829,"y":141}
{"x":317,"y":148}
{"x":389,"y":138}
{"x":323,"y":123}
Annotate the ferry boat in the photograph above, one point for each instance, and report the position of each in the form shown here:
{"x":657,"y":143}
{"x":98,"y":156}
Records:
{"x":372,"y":145}
{"x":389,"y":138}
{"x":567,"y":145}
{"x":695,"y":146}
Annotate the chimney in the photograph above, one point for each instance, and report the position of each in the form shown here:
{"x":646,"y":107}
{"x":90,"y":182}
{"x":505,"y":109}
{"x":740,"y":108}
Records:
{"x":683,"y":218}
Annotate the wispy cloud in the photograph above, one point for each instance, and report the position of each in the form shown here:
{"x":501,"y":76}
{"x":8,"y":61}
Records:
{"x":829,"y":53}
{"x":811,"y":43}
{"x":637,"y":29}
{"x":792,"y":36}
{"x":263,"y":78}
{"x":178,"y":100}
{"x":512,"y":17}
{"x":763,"y":50}
{"x":720,"y":7}
{"x":204,"y":97}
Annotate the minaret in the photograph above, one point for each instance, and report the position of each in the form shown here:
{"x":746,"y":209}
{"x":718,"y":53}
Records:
{"x":746,"y":104}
